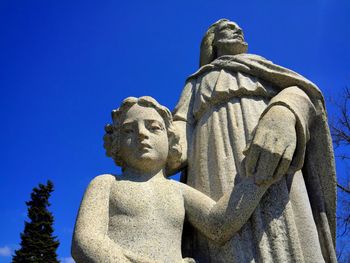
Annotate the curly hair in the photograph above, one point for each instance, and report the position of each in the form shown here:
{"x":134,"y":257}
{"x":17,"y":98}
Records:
{"x":112,"y":131}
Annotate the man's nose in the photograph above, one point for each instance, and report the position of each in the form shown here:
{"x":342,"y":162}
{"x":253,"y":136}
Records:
{"x":239,"y":31}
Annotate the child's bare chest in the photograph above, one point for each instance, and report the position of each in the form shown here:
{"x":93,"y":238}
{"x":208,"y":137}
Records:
{"x":146,"y":200}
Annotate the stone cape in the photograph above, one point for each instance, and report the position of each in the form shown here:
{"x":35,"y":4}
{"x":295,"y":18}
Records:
{"x":317,"y":161}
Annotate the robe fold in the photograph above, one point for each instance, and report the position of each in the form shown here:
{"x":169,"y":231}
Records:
{"x":222,"y":104}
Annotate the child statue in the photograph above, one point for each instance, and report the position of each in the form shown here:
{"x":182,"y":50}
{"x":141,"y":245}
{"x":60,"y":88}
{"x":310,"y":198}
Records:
{"x":139,"y":216}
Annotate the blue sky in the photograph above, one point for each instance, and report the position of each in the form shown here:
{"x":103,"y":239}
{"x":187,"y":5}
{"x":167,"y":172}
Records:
{"x":64,"y":65}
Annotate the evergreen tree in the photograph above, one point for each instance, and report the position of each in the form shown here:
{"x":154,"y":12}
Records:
{"x":37,"y":241}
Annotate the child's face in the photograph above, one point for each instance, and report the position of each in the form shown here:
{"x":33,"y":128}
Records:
{"x":143,"y":139}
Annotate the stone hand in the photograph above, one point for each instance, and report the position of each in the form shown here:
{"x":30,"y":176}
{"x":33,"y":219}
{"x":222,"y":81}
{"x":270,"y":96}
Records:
{"x":188,"y":260}
{"x":270,"y":153}
{"x":136,"y":258}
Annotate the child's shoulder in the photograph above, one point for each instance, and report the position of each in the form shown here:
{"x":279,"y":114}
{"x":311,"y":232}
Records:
{"x":175,"y":184}
{"x":104,"y":179}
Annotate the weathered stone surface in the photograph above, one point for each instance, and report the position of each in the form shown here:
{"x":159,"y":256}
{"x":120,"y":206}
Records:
{"x":242,"y":116}
{"x":254,"y":140}
{"x":139,"y":216}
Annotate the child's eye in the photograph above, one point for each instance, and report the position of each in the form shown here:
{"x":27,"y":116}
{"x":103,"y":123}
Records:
{"x":155,"y":128}
{"x":128,"y":130}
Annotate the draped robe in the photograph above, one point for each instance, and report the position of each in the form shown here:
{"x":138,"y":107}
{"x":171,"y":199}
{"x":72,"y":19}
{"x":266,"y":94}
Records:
{"x":221,"y":105}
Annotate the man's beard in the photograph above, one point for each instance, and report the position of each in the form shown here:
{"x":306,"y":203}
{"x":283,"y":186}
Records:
{"x":231,"y":46}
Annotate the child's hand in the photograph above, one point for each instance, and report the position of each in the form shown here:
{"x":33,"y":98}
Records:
{"x":188,"y":260}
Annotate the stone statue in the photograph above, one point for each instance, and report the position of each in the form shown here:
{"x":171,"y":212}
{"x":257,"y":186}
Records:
{"x":241,"y":116}
{"x":139,"y":216}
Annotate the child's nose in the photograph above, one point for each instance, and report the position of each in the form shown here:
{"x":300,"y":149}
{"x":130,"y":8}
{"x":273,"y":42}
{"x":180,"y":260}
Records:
{"x":142,"y":132}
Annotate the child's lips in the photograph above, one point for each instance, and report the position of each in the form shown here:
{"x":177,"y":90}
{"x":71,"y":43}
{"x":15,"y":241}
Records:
{"x":144,"y":146}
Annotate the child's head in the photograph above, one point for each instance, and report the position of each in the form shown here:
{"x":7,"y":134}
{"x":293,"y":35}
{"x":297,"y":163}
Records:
{"x":142,"y":132}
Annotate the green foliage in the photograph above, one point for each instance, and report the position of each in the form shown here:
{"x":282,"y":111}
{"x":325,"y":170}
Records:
{"x":37,"y":241}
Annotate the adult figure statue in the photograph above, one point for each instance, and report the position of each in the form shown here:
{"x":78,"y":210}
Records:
{"x":240,"y":115}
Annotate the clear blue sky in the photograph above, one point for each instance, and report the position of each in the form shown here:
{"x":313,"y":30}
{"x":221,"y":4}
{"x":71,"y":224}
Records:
{"x":64,"y":65}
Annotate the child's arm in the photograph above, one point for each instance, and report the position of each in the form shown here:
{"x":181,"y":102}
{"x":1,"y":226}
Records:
{"x":220,"y":220}
{"x":90,"y":240}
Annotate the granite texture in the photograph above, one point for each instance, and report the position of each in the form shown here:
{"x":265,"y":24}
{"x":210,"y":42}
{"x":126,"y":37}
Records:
{"x":241,"y":116}
{"x":139,"y":216}
{"x":252,"y":140}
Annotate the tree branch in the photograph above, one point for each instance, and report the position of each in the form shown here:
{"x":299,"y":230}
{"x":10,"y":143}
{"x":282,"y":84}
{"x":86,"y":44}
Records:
{"x":347,"y":190}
